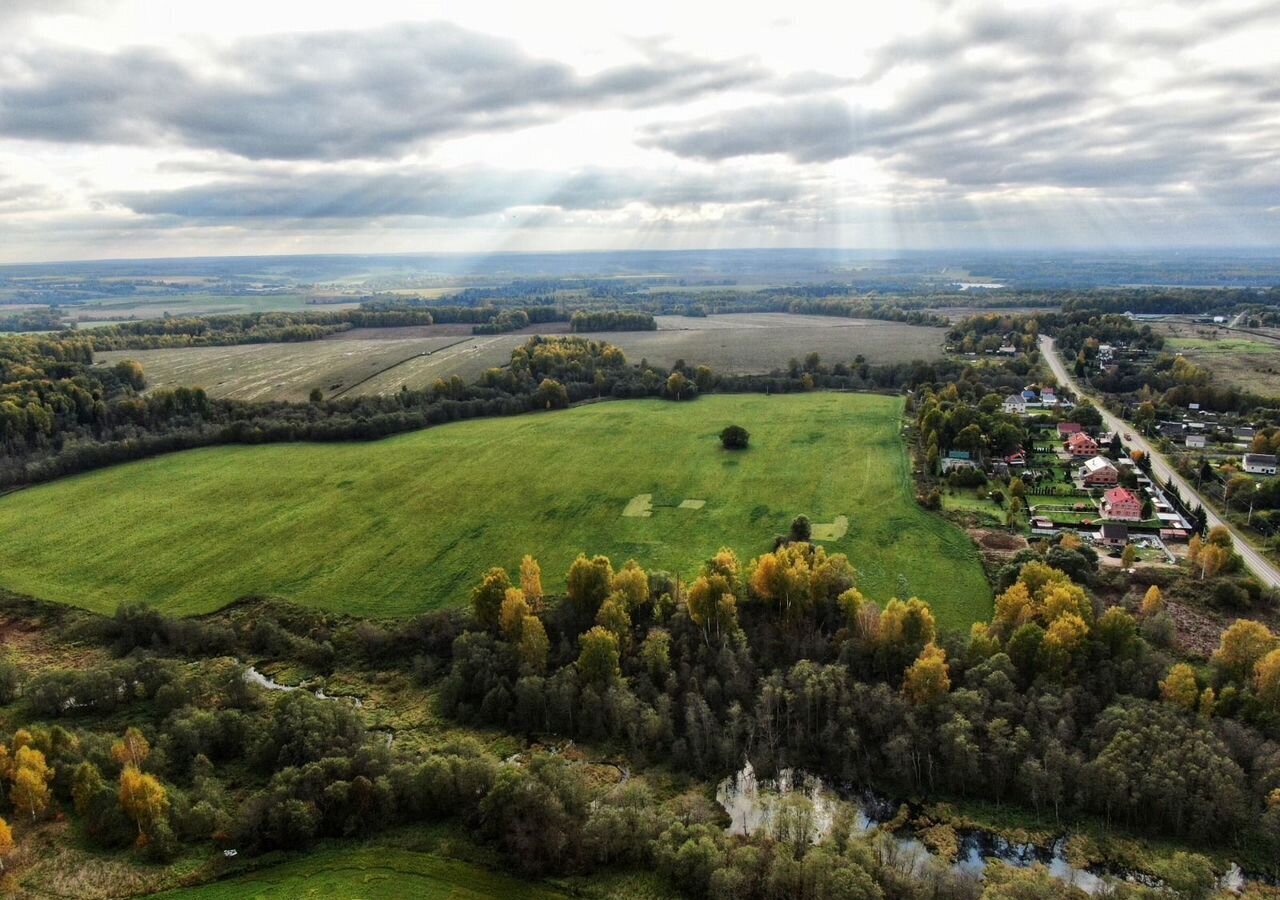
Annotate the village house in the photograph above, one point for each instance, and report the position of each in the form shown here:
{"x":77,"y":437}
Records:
{"x":1196,"y":441}
{"x":1172,"y":429}
{"x":1113,"y":534}
{"x":1120,"y":503}
{"x":1260,"y":464}
{"x":1048,"y":397}
{"x":1082,"y":446}
{"x":1099,"y":472}
{"x":1030,"y":398}
{"x":1069,"y":428}
{"x":1014,"y":404}
{"x":1242,"y":433}
{"x":958,"y":459}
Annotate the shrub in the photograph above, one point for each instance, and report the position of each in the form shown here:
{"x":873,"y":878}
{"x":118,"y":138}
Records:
{"x":735,"y":437}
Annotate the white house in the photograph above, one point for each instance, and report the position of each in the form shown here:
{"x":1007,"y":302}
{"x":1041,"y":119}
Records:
{"x":1014,"y":404}
{"x":1099,"y":471}
{"x":1260,"y":464}
{"x":1195,"y":441}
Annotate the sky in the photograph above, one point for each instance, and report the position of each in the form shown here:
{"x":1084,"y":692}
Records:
{"x":149,"y":128}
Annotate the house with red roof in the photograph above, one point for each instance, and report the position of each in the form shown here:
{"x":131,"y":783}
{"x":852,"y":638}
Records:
{"x":1067,"y":428}
{"x":1123,"y":504}
{"x":1082,"y":445}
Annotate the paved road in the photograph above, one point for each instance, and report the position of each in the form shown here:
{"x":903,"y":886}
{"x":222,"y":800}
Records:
{"x":1255,"y":561}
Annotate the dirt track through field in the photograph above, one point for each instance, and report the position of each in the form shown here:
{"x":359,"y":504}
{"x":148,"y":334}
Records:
{"x":398,"y":363}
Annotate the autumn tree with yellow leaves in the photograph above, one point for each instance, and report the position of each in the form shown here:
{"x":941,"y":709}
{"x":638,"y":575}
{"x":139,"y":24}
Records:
{"x":1152,"y":602}
{"x":531,"y":582}
{"x":797,"y":577}
{"x":6,"y":841}
{"x":1266,"y":680}
{"x":143,"y":799}
{"x":1240,"y":647}
{"x":31,"y":776}
{"x":929,"y":677}
{"x":1179,"y":687}
{"x":712,"y":599}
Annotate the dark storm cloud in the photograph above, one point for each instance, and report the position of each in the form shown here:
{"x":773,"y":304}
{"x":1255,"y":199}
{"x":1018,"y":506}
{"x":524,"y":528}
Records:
{"x":999,"y":100}
{"x":330,"y":96}
{"x":444,"y":194}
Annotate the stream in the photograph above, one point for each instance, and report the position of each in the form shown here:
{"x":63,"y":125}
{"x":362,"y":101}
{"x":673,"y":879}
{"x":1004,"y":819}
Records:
{"x":795,"y":800}
{"x":253,"y":676}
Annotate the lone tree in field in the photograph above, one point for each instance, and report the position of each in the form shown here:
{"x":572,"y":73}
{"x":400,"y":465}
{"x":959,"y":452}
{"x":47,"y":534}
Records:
{"x":735,"y":437}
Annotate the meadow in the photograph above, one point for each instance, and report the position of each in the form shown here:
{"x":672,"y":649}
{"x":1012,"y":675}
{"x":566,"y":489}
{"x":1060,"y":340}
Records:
{"x":1249,"y":362}
{"x":416,"y":357}
{"x":383,"y":872}
{"x":410,"y":523}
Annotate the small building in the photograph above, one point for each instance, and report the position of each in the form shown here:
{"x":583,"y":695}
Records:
{"x":1082,"y":446}
{"x":1196,"y":441}
{"x":1242,"y":432}
{"x":1121,"y":503}
{"x":1014,"y":404}
{"x":1007,"y":349}
{"x":1172,"y":429}
{"x":1114,"y":534}
{"x":1193,"y":406}
{"x":958,"y":459}
{"x":1048,"y":397}
{"x":1219,"y":320}
{"x":1069,"y":428}
{"x":1260,"y":464}
{"x":1030,"y":398}
{"x":1016,"y":458}
{"x":1099,"y":472}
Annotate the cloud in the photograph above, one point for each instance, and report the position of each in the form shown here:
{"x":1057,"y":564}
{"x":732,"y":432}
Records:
{"x":330,"y":96}
{"x":991,"y":101}
{"x":817,"y":130}
{"x":457,"y":193}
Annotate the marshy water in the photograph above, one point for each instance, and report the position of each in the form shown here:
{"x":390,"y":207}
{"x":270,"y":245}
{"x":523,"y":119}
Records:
{"x":799,"y":805}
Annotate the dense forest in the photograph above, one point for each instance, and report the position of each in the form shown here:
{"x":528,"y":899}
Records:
{"x":1061,"y":705}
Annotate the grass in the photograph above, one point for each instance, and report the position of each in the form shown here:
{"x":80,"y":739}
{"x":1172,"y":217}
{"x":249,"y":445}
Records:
{"x":1226,"y":345}
{"x":410,"y":523}
{"x":382,"y":872}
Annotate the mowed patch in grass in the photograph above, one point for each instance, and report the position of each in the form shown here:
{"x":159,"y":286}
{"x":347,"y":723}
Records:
{"x":383,"y":872}
{"x":410,"y":523}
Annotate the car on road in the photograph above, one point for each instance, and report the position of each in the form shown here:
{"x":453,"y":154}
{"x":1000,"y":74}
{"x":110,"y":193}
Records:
{"x":1128,"y":436}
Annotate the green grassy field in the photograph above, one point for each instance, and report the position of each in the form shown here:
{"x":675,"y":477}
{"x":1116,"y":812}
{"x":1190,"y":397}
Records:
{"x":411,"y":522}
{"x":384,"y":872}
